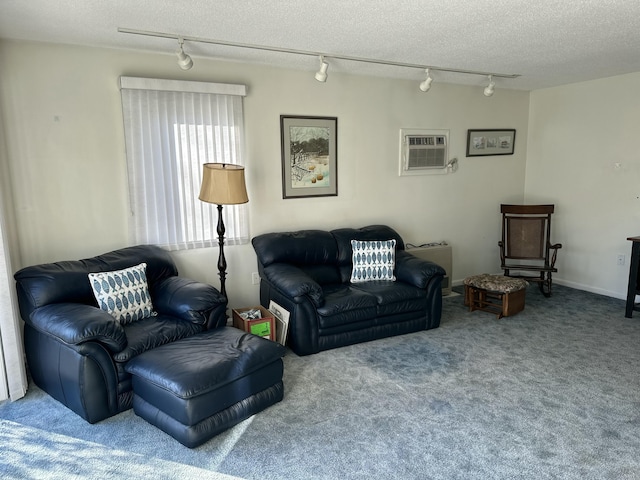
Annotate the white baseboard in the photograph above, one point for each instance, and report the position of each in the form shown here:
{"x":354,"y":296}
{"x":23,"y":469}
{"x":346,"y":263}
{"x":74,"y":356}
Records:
{"x":576,"y":285}
{"x":589,"y":288}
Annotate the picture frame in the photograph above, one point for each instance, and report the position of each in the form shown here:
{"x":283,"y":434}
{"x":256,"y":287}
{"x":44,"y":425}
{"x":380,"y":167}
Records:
{"x":282,"y":322}
{"x":309,"y":156}
{"x":485,"y":142}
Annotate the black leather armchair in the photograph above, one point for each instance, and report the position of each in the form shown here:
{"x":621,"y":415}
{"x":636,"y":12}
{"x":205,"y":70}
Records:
{"x":77,"y":352}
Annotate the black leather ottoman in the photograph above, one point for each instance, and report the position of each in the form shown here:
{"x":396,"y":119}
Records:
{"x":196,"y":388}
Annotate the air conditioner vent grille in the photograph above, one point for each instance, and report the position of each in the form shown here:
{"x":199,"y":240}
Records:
{"x":426,"y":158}
{"x":423,"y":152}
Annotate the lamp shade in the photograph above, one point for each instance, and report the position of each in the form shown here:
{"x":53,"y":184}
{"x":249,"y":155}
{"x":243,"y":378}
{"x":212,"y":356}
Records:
{"x":223,"y":184}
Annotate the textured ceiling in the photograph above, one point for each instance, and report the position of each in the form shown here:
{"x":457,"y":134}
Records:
{"x":547,"y":42}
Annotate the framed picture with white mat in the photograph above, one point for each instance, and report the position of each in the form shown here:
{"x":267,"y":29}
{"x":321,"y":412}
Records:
{"x":282,"y":322}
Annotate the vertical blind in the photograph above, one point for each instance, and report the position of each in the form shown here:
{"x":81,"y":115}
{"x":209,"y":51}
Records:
{"x":171,"y":129}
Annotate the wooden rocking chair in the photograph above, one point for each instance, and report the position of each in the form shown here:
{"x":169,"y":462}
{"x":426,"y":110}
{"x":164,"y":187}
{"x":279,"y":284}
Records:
{"x":526,"y":245}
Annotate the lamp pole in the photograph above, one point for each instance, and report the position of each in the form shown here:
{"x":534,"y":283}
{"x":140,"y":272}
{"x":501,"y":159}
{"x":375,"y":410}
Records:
{"x":222,"y":262}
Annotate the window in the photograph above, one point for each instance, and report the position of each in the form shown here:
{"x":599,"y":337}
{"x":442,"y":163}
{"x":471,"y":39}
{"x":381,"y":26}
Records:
{"x":171,"y":129}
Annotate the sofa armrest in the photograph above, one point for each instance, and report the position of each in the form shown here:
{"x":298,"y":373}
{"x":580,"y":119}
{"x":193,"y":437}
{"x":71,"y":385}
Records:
{"x":76,"y":323}
{"x":189,"y":300}
{"x":416,"y":271}
{"x":293,"y":283}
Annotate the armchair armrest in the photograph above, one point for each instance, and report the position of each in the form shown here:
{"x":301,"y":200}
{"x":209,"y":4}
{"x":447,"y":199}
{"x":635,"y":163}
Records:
{"x":187,"y":299}
{"x":416,"y":271}
{"x":293,"y":283}
{"x":76,"y":323}
{"x":555,"y":247}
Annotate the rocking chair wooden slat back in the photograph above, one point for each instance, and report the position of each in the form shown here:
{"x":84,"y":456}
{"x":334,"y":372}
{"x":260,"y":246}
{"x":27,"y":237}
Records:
{"x":526,"y":244}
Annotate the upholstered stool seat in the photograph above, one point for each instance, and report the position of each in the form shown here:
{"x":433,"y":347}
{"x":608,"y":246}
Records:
{"x":503,"y":296}
{"x":195,"y":388}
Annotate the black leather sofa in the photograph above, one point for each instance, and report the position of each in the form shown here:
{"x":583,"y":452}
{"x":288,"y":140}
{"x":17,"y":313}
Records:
{"x":77,"y":353}
{"x":308,"y":273}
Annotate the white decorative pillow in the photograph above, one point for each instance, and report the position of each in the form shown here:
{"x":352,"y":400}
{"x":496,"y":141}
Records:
{"x":373,"y":260}
{"x":123,"y":293}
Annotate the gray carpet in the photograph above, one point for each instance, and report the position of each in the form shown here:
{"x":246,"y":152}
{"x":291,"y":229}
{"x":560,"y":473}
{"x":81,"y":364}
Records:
{"x":552,"y":392}
{"x":32,"y":453}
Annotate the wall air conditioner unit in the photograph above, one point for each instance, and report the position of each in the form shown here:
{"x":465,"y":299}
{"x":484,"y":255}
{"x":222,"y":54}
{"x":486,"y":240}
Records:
{"x":439,"y":254}
{"x":423,"y":152}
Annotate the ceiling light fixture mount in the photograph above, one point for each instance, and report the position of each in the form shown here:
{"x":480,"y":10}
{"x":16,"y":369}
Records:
{"x":309,"y":53}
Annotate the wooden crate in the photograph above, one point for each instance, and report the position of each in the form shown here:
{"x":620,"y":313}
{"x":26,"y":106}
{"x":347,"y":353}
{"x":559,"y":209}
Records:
{"x":263,"y":327}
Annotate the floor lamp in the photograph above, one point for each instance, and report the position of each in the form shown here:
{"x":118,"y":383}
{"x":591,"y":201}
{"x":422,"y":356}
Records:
{"x":223,"y":184}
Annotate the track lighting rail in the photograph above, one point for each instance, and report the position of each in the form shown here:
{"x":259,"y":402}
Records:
{"x":432,"y":68}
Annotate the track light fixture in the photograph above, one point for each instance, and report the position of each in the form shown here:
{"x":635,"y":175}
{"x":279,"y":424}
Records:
{"x":488,"y":90}
{"x":184,"y":61}
{"x":321,"y":75}
{"x":426,"y":84}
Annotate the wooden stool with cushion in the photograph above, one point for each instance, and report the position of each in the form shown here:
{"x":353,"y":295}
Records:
{"x":502,"y":296}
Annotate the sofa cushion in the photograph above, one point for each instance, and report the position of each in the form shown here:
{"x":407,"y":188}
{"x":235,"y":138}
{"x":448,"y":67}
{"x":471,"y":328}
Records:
{"x":373,"y":260}
{"x":344,"y":304}
{"x":151,"y":332}
{"x":394,"y":297}
{"x":306,"y":247}
{"x":124,"y":294}
{"x":321,"y":274}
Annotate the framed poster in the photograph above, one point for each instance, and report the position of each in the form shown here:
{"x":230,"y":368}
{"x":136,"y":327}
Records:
{"x":490,"y":142}
{"x":282,"y":322}
{"x":309,"y":156}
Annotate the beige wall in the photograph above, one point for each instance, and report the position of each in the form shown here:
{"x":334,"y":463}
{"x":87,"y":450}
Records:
{"x":63,"y":123}
{"x":584,"y":156}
